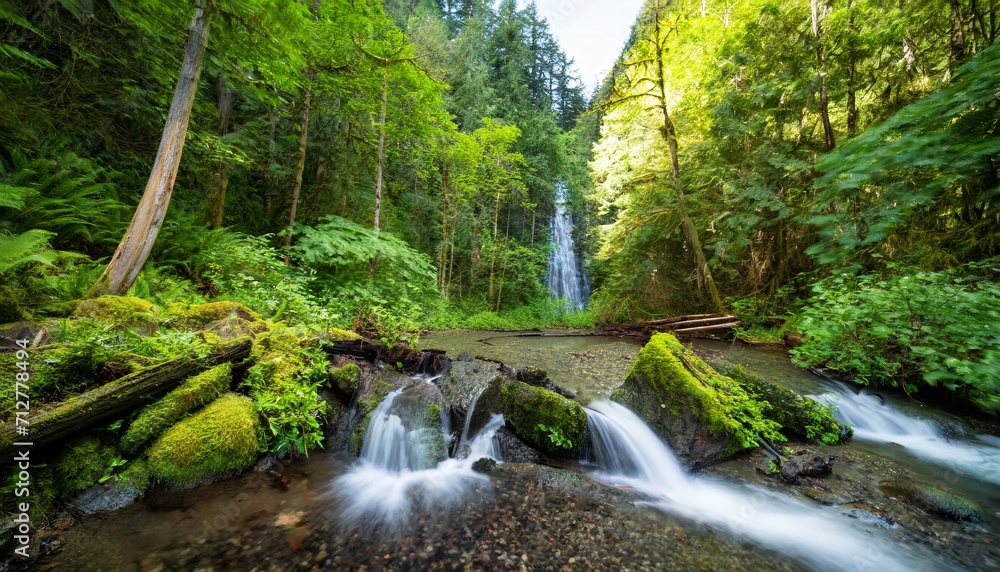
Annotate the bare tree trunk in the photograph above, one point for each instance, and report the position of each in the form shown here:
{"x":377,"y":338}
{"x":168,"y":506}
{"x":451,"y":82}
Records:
{"x":216,"y":200}
{"x":443,"y":252}
{"x":957,"y":36}
{"x":300,"y":168}
{"x":493,"y":248}
{"x":381,"y":160}
{"x":818,"y":12}
{"x":134,"y":249}
{"x":703,"y":272}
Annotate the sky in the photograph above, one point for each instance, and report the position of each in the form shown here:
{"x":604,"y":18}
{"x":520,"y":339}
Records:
{"x":592,"y":32}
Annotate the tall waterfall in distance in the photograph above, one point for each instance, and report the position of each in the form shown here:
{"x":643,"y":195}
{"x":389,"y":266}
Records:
{"x":566,"y":278}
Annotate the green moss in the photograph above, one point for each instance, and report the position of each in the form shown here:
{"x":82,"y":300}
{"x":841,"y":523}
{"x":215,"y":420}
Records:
{"x":222,"y":437}
{"x":190,"y":395}
{"x":135,"y":477}
{"x":544,"y":419}
{"x":338,"y":335}
{"x":933,"y":500}
{"x":798,"y":416}
{"x":197,"y":315}
{"x":685,"y":385}
{"x":365,"y":409}
{"x":346,"y":378}
{"x":285,"y":383}
{"x":123,"y":311}
{"x":82,"y":464}
{"x":434,"y":415}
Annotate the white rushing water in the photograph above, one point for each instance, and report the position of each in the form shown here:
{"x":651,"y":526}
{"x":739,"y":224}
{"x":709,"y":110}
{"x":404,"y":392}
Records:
{"x":396,"y":474}
{"x":566,"y":280}
{"x":877,"y":421}
{"x":629,"y":454}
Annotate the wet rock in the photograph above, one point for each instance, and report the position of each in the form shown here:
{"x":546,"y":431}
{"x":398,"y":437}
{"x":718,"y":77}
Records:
{"x":934,"y":501}
{"x":104,"y":497}
{"x":531,"y":375}
{"x":513,"y":450}
{"x":795,"y":468}
{"x":465,"y":380}
{"x":544,"y":419}
{"x":484,"y":465}
{"x":702,"y":415}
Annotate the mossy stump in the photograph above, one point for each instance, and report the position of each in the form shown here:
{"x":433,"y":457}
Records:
{"x":703,"y":416}
{"x":544,"y":419}
{"x":221,"y":438}
{"x":124,"y":312}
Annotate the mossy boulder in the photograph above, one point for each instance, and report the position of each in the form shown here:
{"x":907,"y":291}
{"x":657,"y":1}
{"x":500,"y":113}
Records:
{"x":124,"y":312}
{"x":798,"y":416}
{"x":221,"y":438}
{"x":346,"y":378}
{"x":703,"y":415}
{"x":934,"y":501}
{"x":544,"y":419}
{"x":82,"y":463}
{"x":193,"y":393}
{"x":198,"y":315}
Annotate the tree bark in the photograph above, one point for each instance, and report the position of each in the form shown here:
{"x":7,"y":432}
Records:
{"x":381,"y":159}
{"x":957,"y":36}
{"x":134,"y":249}
{"x":299,"y":170}
{"x":818,"y":12}
{"x":112,"y":400}
{"x":669,"y":133}
{"x":216,"y":200}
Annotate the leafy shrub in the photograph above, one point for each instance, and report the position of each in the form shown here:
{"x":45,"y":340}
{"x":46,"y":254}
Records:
{"x":285,"y":382}
{"x":910,"y":327}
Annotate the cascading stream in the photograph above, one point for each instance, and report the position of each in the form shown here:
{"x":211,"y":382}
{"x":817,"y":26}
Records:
{"x":876,"y":421}
{"x":397,"y":475}
{"x":566,"y":279}
{"x":628,"y":453}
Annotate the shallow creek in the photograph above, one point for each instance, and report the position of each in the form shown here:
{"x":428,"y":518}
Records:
{"x":646,"y":516}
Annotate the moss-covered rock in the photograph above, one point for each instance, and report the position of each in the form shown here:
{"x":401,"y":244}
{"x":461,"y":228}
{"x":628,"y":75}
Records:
{"x":198,"y":315}
{"x":82,"y":463}
{"x":934,"y":501}
{"x":124,"y":312}
{"x":798,"y":416}
{"x":543,"y":419}
{"x":190,"y":395}
{"x":704,"y":416}
{"x":346,"y":378}
{"x":221,"y":438}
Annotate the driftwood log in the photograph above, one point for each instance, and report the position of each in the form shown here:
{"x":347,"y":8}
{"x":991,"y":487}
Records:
{"x":680,"y":325}
{"x":116,"y":398}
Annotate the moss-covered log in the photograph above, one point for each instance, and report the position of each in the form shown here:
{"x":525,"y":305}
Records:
{"x":429,"y":362}
{"x":118,"y":397}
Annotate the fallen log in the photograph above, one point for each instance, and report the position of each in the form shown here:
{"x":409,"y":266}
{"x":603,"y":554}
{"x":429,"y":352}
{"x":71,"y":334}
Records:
{"x":705,"y":321}
{"x":429,"y":362}
{"x":725,"y":326}
{"x":116,"y":398}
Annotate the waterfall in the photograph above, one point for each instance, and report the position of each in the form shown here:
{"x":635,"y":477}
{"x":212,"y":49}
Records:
{"x":397,"y":472}
{"x":878,"y":421}
{"x":628,"y":453}
{"x":566,"y":279}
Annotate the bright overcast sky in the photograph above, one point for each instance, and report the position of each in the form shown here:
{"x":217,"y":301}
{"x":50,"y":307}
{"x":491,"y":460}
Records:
{"x":592,"y":32}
